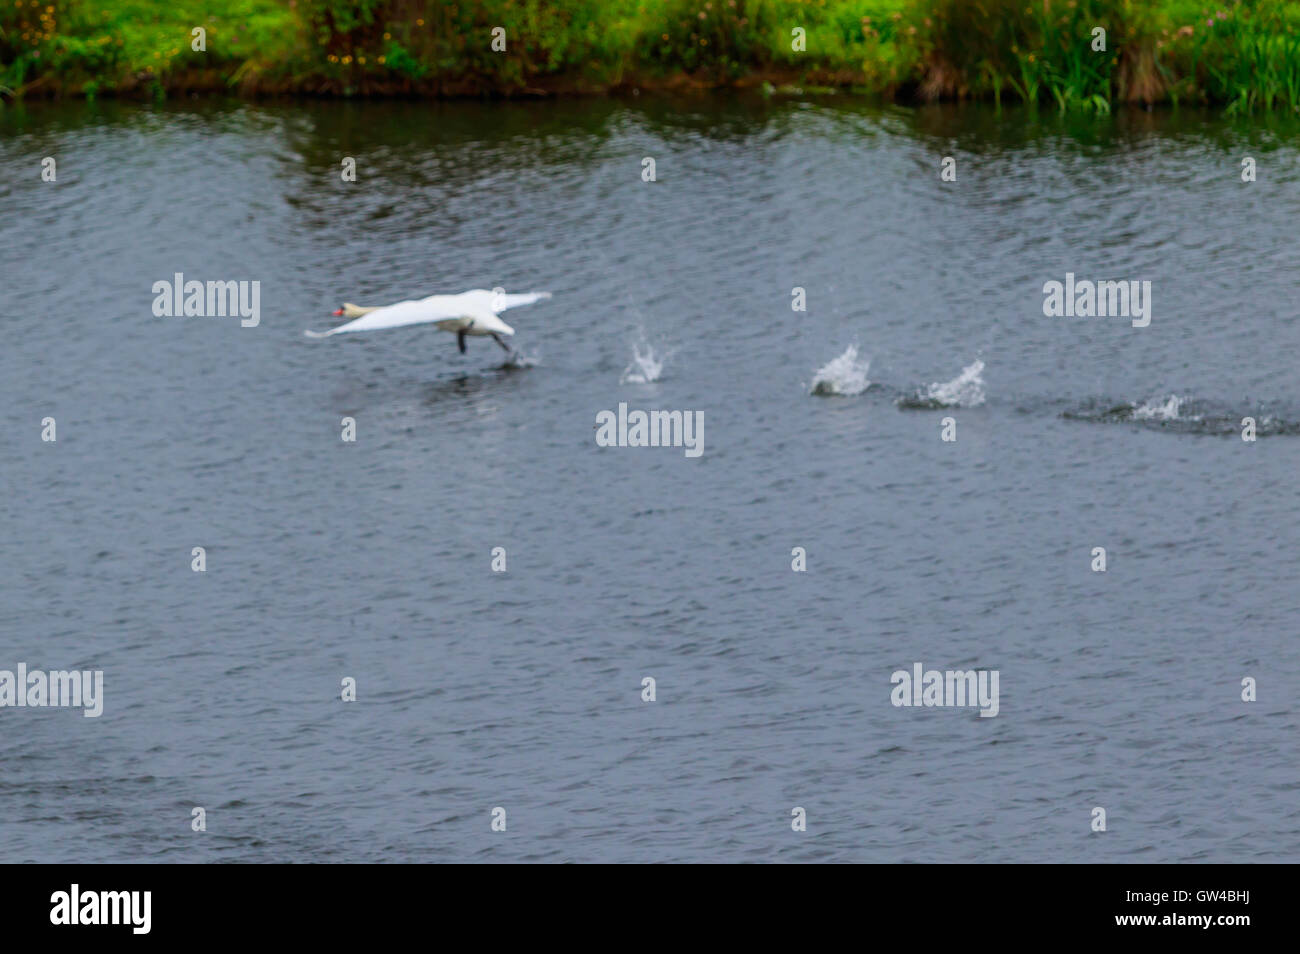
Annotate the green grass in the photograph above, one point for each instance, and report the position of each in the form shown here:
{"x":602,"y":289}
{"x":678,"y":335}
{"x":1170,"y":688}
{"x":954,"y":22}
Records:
{"x":1244,"y":54}
{"x":90,"y":47}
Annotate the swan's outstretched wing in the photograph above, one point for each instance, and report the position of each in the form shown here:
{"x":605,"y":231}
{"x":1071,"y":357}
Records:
{"x":497,"y":301}
{"x":479,"y":304}
{"x":434,"y":308}
{"x":502,"y":302}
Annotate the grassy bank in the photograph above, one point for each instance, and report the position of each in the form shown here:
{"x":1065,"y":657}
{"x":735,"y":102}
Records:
{"x":1245,"y":55}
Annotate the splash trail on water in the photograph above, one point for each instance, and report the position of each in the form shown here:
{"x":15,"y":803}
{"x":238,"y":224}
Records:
{"x":1188,"y":415}
{"x":843,"y":376}
{"x":965,"y":390}
{"x":647,"y":363}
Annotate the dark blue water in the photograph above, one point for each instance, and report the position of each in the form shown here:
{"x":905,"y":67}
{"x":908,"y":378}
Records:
{"x":371,"y":560}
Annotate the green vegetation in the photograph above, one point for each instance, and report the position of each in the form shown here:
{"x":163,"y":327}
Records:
{"x":1245,"y":54}
{"x":122,"y":45}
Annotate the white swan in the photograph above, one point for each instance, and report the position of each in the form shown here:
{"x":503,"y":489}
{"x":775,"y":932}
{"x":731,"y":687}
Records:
{"x":469,"y":313}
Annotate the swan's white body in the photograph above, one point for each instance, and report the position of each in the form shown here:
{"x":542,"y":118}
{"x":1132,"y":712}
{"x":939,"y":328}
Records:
{"x":469,"y":313}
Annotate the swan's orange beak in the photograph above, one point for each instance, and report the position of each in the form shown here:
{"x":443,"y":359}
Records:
{"x":338,"y":312}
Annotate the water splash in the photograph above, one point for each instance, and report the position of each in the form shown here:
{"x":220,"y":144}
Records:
{"x":1189,"y":415}
{"x":965,"y":390}
{"x":647,"y":364}
{"x":843,"y":376}
{"x":516,"y":360}
{"x":1153,"y":410}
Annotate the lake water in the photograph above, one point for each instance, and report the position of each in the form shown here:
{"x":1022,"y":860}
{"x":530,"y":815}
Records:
{"x":372,"y":559}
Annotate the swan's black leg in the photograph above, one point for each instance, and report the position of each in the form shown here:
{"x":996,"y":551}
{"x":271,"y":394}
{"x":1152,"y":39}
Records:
{"x":460,"y":340}
{"x":497,"y":338}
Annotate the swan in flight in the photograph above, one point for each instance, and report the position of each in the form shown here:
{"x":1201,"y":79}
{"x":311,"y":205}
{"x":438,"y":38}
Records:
{"x":469,"y":313}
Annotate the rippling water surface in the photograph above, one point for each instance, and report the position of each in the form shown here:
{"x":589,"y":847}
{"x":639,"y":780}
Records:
{"x":521,"y":689}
